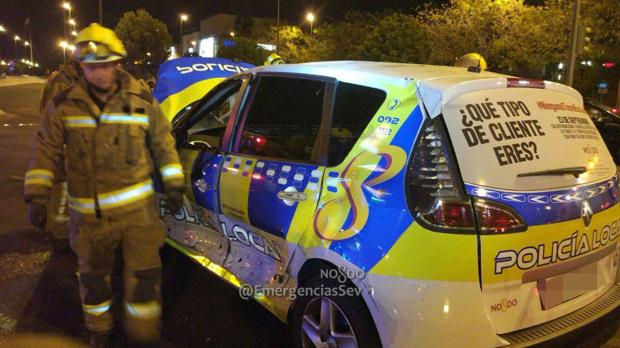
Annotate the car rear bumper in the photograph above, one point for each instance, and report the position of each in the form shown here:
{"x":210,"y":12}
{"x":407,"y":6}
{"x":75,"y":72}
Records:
{"x":570,"y":322}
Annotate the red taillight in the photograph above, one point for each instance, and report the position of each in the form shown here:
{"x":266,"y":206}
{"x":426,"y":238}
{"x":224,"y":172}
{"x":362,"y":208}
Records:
{"x":525,"y":83}
{"x":450,"y":214}
{"x":493,"y":218}
{"x":609,"y":65}
{"x":436,"y":199}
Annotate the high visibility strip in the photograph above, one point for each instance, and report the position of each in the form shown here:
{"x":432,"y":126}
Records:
{"x":39,"y":177}
{"x":125,"y":119}
{"x":39,"y":181}
{"x":97,"y":309}
{"x":40,"y":172}
{"x":143,"y":310}
{"x":82,"y":205}
{"x":79,"y":121}
{"x":113,"y":199}
{"x":171,"y":171}
{"x":125,"y":196}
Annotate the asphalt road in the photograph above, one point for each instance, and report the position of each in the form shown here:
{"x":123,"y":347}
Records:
{"x":38,"y":287}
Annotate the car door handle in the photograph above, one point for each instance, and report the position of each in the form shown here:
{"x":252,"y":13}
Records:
{"x":292,"y":196}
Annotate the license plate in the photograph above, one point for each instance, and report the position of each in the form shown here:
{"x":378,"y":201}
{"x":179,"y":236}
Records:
{"x":556,"y":290}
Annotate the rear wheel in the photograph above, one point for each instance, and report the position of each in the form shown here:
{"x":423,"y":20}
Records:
{"x":326,"y":319}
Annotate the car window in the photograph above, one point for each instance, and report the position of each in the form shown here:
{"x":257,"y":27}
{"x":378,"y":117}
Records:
{"x":210,"y":117}
{"x":354,"y":106}
{"x":283,"y":119}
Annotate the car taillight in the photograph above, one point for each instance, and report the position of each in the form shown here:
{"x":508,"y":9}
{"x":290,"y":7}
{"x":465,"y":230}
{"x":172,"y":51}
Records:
{"x":450,"y":214}
{"x":435,"y":197}
{"x":494,"y":218}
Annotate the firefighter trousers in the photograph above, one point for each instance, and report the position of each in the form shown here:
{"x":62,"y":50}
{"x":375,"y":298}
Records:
{"x":140,"y":234}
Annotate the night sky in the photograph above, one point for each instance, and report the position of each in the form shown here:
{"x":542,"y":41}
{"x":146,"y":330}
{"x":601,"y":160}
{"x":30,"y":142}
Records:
{"x":46,"y":16}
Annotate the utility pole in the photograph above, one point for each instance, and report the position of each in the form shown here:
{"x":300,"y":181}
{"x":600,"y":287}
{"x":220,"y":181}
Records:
{"x":573,"y":46}
{"x":30,"y":35}
{"x":278,"y":29}
{"x":100,"y":13}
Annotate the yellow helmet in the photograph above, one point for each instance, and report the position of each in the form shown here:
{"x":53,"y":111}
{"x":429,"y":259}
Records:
{"x":98,"y":44}
{"x":471,"y":60}
{"x":274,"y":59}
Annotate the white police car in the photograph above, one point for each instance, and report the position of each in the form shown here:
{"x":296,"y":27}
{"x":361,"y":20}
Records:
{"x":377,"y":204}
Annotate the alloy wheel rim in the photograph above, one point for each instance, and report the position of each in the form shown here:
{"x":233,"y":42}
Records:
{"x":325,"y":325}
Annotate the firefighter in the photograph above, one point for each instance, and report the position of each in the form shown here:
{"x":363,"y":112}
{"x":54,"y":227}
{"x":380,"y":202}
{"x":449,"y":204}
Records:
{"x":62,"y":79}
{"x":274,"y":59}
{"x":115,"y":134}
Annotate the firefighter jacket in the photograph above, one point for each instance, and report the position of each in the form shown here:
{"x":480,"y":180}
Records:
{"x":59,"y":81}
{"x":110,"y":153}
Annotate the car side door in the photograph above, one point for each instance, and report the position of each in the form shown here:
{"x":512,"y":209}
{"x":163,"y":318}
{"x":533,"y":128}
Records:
{"x":271,"y":178}
{"x":199,"y":136}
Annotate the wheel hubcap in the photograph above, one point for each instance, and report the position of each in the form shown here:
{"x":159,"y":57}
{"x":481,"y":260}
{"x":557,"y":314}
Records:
{"x":325,"y":325}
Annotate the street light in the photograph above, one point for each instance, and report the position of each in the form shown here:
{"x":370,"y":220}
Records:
{"x":66,"y":6}
{"x":232,"y":34}
{"x":26,"y":44}
{"x":16,"y":38}
{"x":73,"y":32}
{"x":2,"y":30}
{"x":64,"y":46}
{"x":310,"y":18}
{"x":182,"y":18}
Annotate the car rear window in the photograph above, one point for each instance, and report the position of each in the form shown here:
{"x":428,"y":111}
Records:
{"x":354,"y":106}
{"x":499,"y":135}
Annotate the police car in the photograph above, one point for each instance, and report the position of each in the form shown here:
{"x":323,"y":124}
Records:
{"x":378,"y":204}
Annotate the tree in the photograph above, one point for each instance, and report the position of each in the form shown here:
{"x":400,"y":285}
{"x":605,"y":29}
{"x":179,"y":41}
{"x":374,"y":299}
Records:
{"x":142,"y":34}
{"x":344,"y":40}
{"x":513,"y":37}
{"x":602,"y":17}
{"x":397,"y":38}
{"x":295,"y":45}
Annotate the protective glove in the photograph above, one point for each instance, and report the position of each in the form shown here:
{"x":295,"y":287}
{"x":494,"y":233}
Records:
{"x":174,"y":200}
{"x":37,"y":214}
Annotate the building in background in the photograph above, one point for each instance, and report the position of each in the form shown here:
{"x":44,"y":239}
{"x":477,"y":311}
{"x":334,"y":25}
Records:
{"x":220,"y":30}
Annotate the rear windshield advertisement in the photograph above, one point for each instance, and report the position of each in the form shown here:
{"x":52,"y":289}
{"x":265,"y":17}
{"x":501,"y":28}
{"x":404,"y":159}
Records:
{"x":500,"y":133}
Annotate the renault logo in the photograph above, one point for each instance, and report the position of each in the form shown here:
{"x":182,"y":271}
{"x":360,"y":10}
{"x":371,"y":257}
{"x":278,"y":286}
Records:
{"x":586,"y":213}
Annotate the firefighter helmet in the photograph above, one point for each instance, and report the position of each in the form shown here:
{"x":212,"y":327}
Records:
{"x":471,"y":60}
{"x":274,"y":59}
{"x":98,"y":44}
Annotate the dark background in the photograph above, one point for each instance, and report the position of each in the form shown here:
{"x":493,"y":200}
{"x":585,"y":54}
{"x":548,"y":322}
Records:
{"x":46,"y":17}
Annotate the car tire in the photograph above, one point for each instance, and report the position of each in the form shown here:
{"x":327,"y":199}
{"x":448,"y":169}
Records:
{"x":349,"y":325}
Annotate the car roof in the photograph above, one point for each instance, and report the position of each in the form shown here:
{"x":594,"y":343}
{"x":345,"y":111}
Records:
{"x":368,"y":73}
{"x":436,"y":84}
